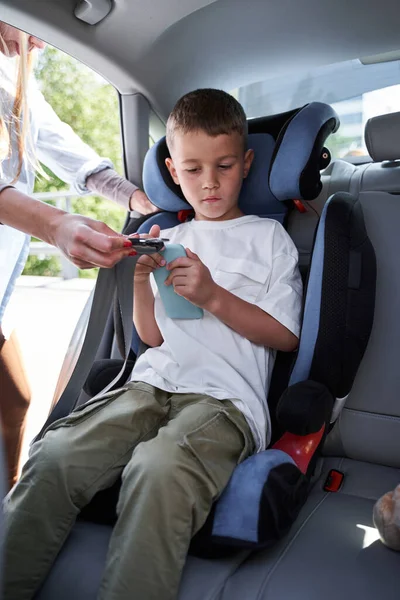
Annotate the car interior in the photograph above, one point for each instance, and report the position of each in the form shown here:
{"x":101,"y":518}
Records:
{"x":342,"y":215}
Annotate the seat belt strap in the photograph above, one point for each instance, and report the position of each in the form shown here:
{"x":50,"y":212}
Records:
{"x":115,"y":282}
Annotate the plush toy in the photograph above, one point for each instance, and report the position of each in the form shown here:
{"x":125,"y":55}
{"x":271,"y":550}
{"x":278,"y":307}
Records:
{"x":387,"y":518}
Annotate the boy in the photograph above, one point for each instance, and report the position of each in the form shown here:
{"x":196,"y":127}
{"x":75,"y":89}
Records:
{"x":196,"y":405}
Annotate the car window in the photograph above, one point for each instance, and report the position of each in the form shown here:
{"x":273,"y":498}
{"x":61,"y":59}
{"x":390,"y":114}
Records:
{"x":356,"y":91}
{"x":89,"y":104}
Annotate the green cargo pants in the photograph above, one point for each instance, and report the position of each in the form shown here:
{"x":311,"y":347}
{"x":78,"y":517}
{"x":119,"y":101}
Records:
{"x":176,"y":453}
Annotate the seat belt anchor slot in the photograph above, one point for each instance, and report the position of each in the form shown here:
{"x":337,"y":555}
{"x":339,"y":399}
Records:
{"x":334,"y":481}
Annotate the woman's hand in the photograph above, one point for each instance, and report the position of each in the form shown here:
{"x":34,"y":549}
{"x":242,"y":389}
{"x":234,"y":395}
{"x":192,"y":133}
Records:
{"x":140,"y":202}
{"x":89,"y":243}
{"x":85,"y":242}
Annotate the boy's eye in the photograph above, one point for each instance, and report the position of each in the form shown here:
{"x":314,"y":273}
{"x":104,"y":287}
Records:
{"x":224,"y":167}
{"x":194,"y":170}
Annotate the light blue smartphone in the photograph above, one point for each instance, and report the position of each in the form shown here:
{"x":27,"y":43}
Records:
{"x":175,"y":306}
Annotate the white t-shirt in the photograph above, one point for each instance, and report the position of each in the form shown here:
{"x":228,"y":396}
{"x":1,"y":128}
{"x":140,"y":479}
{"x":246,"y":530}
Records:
{"x":256,"y":260}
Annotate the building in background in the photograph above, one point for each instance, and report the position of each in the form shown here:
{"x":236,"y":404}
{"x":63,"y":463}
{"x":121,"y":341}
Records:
{"x":356,"y":91}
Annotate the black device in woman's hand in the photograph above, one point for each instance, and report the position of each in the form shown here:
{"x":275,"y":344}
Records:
{"x":147,"y":245}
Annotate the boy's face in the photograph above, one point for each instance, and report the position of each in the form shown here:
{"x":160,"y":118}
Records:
{"x":210,"y":171}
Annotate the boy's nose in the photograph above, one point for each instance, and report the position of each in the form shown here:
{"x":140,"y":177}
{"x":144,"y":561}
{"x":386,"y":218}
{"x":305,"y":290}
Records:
{"x":35,"y":42}
{"x":210,"y":182}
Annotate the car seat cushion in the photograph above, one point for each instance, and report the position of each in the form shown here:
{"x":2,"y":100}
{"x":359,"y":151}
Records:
{"x":270,"y":487}
{"x":157,"y":182}
{"x":340,"y":301}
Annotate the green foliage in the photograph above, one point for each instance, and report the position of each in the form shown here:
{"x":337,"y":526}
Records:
{"x":90,"y":106}
{"x":46,"y":266}
{"x":339,"y":145}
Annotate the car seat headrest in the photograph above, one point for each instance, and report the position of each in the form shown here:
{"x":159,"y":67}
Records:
{"x":286,"y":165}
{"x":382,"y":135}
{"x":299,"y":150}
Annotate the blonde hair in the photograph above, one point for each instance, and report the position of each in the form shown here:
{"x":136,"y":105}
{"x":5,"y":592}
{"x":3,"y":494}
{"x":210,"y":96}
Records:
{"x":18,"y":123}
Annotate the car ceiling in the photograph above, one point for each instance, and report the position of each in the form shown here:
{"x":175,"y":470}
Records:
{"x":164,"y":48}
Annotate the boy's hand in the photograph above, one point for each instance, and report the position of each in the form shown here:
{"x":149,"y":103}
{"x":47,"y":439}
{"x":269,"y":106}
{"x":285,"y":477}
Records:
{"x":148,"y":263}
{"x":191,"y":279}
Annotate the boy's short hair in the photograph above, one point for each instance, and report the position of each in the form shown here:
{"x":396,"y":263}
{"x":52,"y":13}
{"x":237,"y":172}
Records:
{"x":213,"y":111}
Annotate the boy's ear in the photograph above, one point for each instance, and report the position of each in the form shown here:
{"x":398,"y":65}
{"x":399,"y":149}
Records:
{"x":170,"y":166}
{"x":248,"y":159}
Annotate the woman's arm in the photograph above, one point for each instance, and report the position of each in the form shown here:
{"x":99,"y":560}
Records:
{"x":86,"y":242}
{"x":112,"y":186}
{"x":73,"y":161}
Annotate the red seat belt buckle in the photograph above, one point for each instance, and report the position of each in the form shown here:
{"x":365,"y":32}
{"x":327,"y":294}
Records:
{"x":299,"y":205}
{"x":334,"y":481}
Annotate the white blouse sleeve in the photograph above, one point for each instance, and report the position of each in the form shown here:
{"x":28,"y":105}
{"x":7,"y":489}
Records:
{"x":62,"y":150}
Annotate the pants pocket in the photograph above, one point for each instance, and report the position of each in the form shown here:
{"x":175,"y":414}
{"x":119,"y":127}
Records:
{"x":86,"y":410}
{"x":218,"y":445}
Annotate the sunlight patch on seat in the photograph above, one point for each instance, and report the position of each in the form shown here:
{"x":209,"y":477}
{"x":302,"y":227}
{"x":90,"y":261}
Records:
{"x":371,"y":535}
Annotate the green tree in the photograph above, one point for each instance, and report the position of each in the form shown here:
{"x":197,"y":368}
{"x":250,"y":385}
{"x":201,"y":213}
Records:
{"x":339,"y":144}
{"x":90,"y":106}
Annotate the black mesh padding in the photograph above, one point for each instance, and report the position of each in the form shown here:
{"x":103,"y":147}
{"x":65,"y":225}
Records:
{"x":272,"y":124}
{"x":310,"y":179}
{"x":348,"y":296}
{"x":279,"y":381}
{"x":104,"y":371}
{"x":305,"y":407}
{"x":132,"y":224}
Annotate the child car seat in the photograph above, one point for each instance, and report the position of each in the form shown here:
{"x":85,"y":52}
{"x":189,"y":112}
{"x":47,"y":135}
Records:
{"x":316,"y":117}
